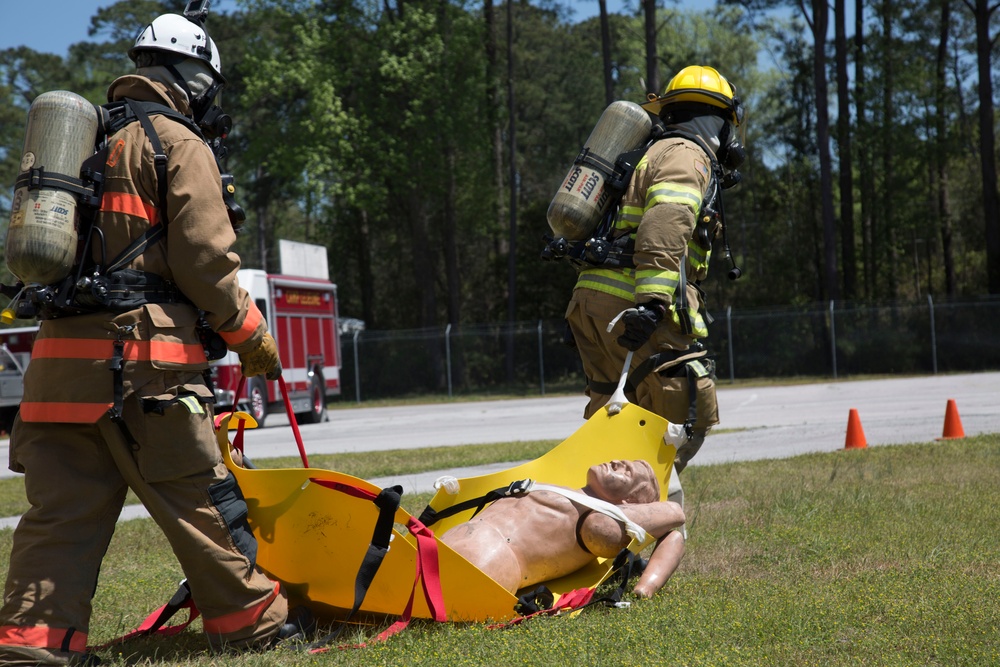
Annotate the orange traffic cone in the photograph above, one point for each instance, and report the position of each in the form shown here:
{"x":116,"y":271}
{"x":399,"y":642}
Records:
{"x":855,"y":434}
{"x":952,"y":422}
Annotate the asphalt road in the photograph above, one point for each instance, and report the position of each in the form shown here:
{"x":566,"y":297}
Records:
{"x":757,"y":422}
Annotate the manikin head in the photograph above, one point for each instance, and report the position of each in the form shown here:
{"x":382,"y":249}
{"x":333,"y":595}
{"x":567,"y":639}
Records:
{"x":623,"y":482}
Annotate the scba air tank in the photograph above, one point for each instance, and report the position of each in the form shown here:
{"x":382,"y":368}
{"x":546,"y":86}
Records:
{"x":41,"y":242}
{"x":584,"y":196}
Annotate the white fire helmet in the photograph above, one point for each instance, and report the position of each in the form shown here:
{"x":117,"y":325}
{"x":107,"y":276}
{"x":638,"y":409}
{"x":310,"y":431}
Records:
{"x":173,"y":33}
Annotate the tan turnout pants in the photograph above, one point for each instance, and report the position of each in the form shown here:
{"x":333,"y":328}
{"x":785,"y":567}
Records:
{"x":76,"y":478}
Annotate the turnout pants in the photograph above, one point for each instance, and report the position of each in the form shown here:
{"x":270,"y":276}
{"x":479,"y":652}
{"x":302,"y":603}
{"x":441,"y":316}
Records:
{"x":664,"y":393}
{"x":76,"y":478}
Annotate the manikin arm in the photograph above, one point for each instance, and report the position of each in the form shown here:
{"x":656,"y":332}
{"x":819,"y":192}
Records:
{"x":604,"y":536}
{"x":662,"y":563}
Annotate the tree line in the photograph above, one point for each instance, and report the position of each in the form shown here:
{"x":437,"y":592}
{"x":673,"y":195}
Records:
{"x":421,"y":141}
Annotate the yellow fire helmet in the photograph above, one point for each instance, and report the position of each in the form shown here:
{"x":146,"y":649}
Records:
{"x":700,"y":85}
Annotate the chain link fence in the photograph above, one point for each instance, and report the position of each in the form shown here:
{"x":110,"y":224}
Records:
{"x":834,"y":340}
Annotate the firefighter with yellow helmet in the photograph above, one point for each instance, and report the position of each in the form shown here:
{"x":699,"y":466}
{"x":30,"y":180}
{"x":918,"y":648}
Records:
{"x":668,"y":217}
{"x":115,"y":397}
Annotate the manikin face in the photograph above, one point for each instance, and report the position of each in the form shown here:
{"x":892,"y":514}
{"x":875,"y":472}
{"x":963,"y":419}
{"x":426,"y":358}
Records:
{"x":623,"y":481}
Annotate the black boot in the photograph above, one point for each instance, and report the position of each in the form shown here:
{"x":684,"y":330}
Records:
{"x":299,"y":625}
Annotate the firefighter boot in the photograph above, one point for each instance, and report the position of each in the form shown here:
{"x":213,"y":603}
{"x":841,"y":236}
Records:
{"x":17,"y":656}
{"x":298,"y":627}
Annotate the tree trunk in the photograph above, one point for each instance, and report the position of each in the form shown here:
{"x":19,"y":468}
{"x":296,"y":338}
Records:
{"x":493,"y":108}
{"x":941,"y":152}
{"x":848,"y":262}
{"x":422,"y":262}
{"x":447,"y":141}
{"x":987,"y":145}
{"x":864,"y":151}
{"x":512,"y":246}
{"x":886,"y":236}
{"x":652,"y":65}
{"x":609,"y":83}
{"x":819,"y":24}
{"x":366,"y":278}
{"x":261,"y":209}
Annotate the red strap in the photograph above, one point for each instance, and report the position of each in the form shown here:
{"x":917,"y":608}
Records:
{"x":292,"y":421}
{"x":428,"y":574}
{"x":428,"y":568}
{"x":574,"y":599}
{"x":238,"y":439}
{"x":349,"y":489}
{"x":567,"y":602}
{"x":153,"y":625}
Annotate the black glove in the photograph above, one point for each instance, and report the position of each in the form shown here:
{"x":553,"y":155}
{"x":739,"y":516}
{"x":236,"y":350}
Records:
{"x":640,"y":323}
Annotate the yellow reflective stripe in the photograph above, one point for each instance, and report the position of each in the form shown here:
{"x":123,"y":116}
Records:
{"x":615,"y":283}
{"x":629,"y":217}
{"x":698,"y":327}
{"x":698,"y":256}
{"x":192,"y":404}
{"x":673,"y":193}
{"x":654,"y":281}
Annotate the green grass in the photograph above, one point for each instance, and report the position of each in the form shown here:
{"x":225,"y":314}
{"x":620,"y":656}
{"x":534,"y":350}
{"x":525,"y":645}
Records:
{"x":881,"y":556}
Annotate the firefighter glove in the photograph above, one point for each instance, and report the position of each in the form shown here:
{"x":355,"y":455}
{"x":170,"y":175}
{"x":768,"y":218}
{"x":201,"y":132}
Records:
{"x":640,"y":323}
{"x":262,"y":360}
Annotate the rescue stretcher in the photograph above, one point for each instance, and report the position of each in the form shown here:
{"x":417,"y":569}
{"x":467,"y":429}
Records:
{"x":318,"y":530}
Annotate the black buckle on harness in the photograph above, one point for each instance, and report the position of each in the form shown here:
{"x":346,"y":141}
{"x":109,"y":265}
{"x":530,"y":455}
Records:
{"x":431,"y":516}
{"x":117,"y":366}
{"x":532,"y":602}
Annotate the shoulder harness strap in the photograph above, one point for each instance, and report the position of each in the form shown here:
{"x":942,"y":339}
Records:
{"x":121,"y":114}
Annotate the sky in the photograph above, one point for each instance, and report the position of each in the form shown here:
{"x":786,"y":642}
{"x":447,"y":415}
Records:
{"x":50,"y":26}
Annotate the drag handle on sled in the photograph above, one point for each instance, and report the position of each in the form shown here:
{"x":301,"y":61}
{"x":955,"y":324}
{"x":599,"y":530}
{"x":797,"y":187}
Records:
{"x":618,"y":399}
{"x":291,"y":416}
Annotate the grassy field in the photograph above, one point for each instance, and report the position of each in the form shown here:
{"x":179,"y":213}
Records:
{"x":880,"y":556}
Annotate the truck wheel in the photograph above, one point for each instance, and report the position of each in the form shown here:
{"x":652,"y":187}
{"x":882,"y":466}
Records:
{"x":317,"y":402}
{"x":257,"y":398}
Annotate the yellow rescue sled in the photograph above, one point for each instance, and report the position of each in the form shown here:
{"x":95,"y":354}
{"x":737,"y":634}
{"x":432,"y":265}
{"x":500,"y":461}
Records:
{"x":315,"y":527}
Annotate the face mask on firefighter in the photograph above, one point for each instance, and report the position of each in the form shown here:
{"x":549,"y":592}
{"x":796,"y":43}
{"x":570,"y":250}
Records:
{"x":731,"y":153}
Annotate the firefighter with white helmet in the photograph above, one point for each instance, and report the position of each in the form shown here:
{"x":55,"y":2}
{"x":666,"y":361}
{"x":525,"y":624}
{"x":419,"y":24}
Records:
{"x":115,"y":397}
{"x":183,"y":48}
{"x":668,"y":218}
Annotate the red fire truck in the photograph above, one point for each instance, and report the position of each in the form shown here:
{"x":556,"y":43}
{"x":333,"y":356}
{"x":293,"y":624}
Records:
{"x":301,"y":314}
